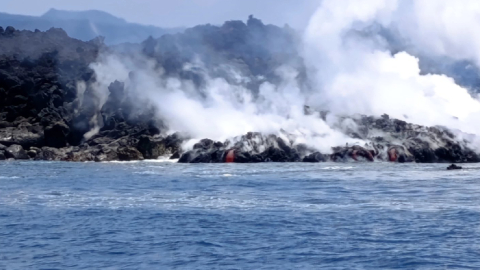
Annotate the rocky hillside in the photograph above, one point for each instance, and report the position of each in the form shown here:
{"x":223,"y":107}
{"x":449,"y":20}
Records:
{"x":253,"y":48}
{"x":50,"y":111}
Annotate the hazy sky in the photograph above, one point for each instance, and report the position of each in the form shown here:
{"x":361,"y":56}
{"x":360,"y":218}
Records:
{"x":170,"y":13}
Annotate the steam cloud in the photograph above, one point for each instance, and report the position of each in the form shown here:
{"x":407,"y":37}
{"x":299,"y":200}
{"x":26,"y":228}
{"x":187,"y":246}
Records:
{"x":359,"y":76}
{"x":349,"y":73}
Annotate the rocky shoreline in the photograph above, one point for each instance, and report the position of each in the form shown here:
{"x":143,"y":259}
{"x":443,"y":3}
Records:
{"x":418,"y":145}
{"x":48,"y":110}
{"x":401,"y":142}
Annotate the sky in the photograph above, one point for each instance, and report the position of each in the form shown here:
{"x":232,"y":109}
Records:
{"x":173,"y":13}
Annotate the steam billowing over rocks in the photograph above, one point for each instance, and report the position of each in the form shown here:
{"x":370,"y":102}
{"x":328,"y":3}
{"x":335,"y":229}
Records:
{"x":51,"y":107}
{"x":389,"y":140}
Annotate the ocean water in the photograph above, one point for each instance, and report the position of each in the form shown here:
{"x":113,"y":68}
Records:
{"x":158,"y":215}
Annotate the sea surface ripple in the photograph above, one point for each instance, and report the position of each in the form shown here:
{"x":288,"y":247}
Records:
{"x":159,"y":215}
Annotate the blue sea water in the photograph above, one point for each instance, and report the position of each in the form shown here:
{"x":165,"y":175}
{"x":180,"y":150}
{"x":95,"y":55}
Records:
{"x":154,"y":215}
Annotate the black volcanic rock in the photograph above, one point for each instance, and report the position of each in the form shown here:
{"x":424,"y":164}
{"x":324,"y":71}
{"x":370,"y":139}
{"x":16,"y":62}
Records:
{"x":250,"y":148}
{"x":24,"y":134}
{"x":9,"y":31}
{"x":38,"y":76}
{"x":454,"y":167}
{"x":51,"y":154}
{"x":205,"y":151}
{"x":151,"y":148}
{"x":315,"y":158}
{"x":16,"y":152}
{"x":56,"y":135}
{"x":273,"y":154}
{"x":418,"y":143}
{"x":129,"y":154}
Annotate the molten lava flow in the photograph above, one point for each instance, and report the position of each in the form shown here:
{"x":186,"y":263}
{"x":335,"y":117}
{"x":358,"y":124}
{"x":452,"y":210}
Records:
{"x":230,"y":156}
{"x":354,"y":155}
{"x":392,"y":155}
{"x":370,"y":156}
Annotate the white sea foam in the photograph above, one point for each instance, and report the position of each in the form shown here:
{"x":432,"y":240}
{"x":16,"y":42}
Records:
{"x":164,"y":159}
{"x":121,"y":162}
{"x":338,"y":168}
{"x":9,"y":177}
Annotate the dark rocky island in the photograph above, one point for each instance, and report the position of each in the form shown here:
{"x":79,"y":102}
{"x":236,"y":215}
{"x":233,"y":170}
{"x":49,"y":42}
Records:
{"x":50,"y":111}
{"x":454,"y":167}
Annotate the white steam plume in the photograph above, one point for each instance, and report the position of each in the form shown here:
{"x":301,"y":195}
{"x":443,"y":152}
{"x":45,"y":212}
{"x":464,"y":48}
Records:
{"x":350,"y":75}
{"x":223,"y":110}
{"x":441,"y":28}
{"x":359,"y":76}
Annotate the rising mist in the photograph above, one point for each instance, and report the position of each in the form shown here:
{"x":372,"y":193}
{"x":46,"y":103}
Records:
{"x":345,"y":72}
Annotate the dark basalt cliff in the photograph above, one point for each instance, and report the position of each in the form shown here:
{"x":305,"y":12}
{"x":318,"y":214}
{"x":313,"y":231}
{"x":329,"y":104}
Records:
{"x":49,"y":110}
{"x":39,"y":72}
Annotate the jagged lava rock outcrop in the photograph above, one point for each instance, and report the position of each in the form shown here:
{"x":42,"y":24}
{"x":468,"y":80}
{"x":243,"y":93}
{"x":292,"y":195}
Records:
{"x":42,"y":111}
{"x":380,"y":139}
{"x":397,"y":140}
{"x":250,"y":148}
